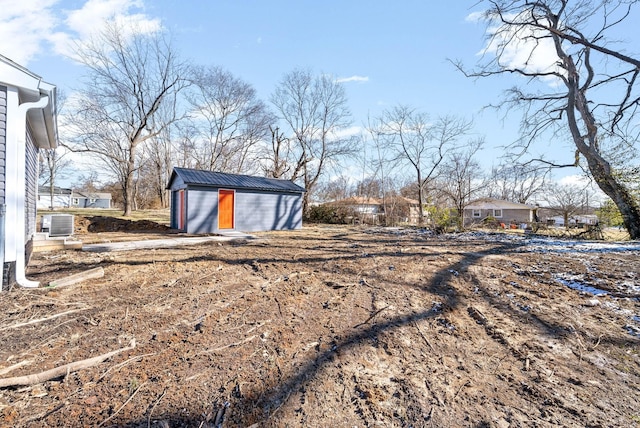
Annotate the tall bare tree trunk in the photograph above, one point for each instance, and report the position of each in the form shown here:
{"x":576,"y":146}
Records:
{"x":588,"y":146}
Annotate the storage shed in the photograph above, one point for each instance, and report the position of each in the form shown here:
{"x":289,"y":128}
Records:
{"x":213,"y":202}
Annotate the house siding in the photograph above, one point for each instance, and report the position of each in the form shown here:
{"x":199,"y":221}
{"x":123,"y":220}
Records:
{"x":86,"y":203}
{"x":59,"y":201}
{"x":31,"y":187}
{"x":3,"y":140}
{"x":508,"y":215}
{"x":6,"y":267}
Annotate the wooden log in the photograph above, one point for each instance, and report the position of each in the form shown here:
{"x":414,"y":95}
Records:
{"x":56,"y":372}
{"x":78,"y":277}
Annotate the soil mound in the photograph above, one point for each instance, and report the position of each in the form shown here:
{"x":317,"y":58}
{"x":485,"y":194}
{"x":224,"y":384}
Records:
{"x":112,"y":224}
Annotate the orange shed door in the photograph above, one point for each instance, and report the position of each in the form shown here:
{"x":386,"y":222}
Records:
{"x":225,"y":209}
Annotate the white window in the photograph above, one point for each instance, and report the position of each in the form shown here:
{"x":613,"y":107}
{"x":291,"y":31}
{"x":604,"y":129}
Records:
{"x":476,"y":213}
{"x":92,"y":200}
{"x":497,"y":213}
{"x":76,"y":201}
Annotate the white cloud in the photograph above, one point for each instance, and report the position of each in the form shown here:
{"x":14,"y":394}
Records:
{"x":28,"y":27}
{"x":475,"y":17}
{"x":520,"y":47}
{"x":352,"y":131}
{"x":580,"y":181}
{"x":93,"y":15}
{"x":22,"y":26}
{"x":355,"y":78}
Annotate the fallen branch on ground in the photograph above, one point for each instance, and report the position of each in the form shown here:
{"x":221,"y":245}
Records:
{"x":49,"y":318}
{"x":124,"y":363}
{"x":113,"y":415}
{"x":15,"y":366}
{"x":78,"y":277}
{"x":36,"y":378}
{"x":231,"y":345}
{"x":371,"y":317}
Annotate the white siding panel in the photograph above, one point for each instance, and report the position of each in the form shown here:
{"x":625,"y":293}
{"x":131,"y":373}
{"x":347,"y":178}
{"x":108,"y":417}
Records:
{"x":3,"y":136}
{"x":31,"y":185}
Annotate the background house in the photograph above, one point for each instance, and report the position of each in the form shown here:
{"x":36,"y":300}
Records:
{"x":86,"y":199}
{"x":360,"y":208}
{"x":574,"y":220}
{"x":399,"y":209}
{"x":212,"y":202}
{"x":27,"y":123}
{"x":61,"y":197}
{"x":505,"y":212}
{"x":390,"y":210}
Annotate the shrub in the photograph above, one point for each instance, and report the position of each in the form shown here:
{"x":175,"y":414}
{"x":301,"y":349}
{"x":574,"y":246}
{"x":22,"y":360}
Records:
{"x":331,"y":214}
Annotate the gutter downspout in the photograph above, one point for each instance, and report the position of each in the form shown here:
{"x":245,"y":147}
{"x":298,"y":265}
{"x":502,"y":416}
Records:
{"x":23,"y":108}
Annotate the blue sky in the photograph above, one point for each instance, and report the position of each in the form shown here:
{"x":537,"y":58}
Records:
{"x":387,"y":53}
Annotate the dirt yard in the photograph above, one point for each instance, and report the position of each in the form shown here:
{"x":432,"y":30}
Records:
{"x":329,"y":327}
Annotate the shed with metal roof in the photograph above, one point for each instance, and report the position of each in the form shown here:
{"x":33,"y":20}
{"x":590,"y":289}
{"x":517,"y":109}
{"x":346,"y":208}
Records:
{"x":213,"y":202}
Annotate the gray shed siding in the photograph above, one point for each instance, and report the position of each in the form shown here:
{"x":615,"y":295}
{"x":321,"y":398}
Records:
{"x":3,"y":140}
{"x":177,"y":184}
{"x":202,"y":210}
{"x":267,"y":211}
{"x":254,"y":210}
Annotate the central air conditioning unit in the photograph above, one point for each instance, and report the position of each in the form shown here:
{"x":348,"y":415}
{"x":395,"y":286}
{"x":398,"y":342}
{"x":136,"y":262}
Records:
{"x":57,"y":224}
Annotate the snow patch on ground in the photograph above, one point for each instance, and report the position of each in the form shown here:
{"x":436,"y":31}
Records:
{"x":578,"y":282}
{"x":544,"y":244}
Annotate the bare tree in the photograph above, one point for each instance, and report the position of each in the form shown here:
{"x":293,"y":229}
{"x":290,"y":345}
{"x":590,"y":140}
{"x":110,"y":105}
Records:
{"x":159,"y":158}
{"x":228,"y":121}
{"x":276,"y":157}
{"x":314,"y":108}
{"x":516,"y":182}
{"x":462,"y":177}
{"x":382,"y":166}
{"x":566,"y":200}
{"x":337,"y":189}
{"x":53,"y":166}
{"x":54,"y":163}
{"x":421,"y":143}
{"x":589,"y":88}
{"x":129,"y":77}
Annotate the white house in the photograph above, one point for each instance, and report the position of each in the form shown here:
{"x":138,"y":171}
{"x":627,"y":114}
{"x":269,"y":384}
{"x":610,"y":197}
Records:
{"x":27,"y":123}
{"x":61,"y":198}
